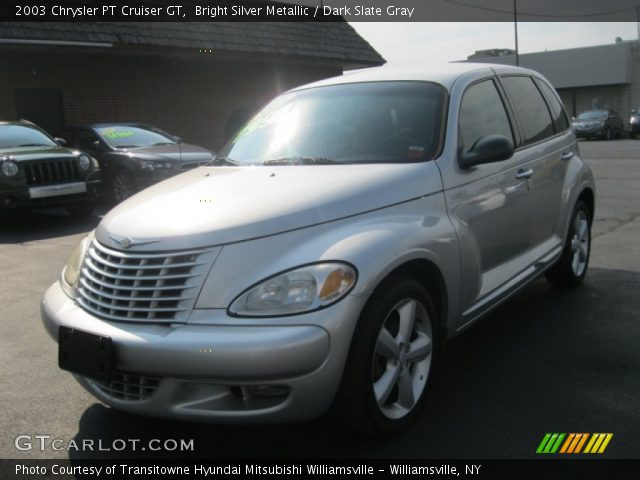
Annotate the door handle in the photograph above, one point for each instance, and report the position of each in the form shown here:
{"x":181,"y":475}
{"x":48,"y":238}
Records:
{"x":524,"y":174}
{"x":566,"y":155}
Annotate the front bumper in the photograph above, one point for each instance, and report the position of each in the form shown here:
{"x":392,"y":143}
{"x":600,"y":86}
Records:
{"x":50,"y":195}
{"x":146,"y":178}
{"x":589,"y":132}
{"x":221,"y":373}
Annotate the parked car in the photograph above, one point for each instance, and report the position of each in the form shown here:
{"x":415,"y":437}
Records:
{"x":348,"y":229}
{"x":134,"y":155}
{"x":37,"y":171}
{"x":605,"y":124}
{"x":634,"y":122}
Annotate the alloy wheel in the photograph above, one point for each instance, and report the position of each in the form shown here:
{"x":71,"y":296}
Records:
{"x":580,"y":243}
{"x":122,"y":188}
{"x":402,"y":358}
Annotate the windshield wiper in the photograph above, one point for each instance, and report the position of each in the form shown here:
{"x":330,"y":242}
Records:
{"x":301,"y":161}
{"x":162,"y":143}
{"x":34,"y":145}
{"x":224,"y":161}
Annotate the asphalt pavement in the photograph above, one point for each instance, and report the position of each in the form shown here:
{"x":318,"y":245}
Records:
{"x":549,"y":360}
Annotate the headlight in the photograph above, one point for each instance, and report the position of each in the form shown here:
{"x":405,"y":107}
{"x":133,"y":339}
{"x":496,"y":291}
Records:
{"x":10,"y":168}
{"x":84,"y":161}
{"x":300,"y":290}
{"x":155,"y":165}
{"x":74,"y":263}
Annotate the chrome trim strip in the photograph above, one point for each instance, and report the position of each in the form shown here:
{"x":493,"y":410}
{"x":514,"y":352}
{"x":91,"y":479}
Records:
{"x":117,"y":276}
{"x":85,"y":285}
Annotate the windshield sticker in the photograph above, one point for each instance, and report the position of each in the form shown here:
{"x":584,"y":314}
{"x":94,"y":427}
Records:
{"x":415,"y":151}
{"x":115,"y":134}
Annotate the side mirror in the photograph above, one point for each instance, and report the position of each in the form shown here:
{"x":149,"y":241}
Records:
{"x":573,"y":118}
{"x":488,"y":149}
{"x":634,"y":111}
{"x":60,"y":141}
{"x":177,"y":139}
{"x":95,"y":145}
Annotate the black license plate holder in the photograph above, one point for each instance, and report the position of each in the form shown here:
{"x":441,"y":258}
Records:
{"x":85,"y":353}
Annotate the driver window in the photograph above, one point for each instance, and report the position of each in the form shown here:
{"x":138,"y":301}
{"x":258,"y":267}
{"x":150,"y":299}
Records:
{"x":482,"y":113}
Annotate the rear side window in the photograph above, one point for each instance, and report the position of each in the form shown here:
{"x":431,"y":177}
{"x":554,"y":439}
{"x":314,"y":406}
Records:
{"x":530,"y":108}
{"x":482,"y":113}
{"x":557,"y":112}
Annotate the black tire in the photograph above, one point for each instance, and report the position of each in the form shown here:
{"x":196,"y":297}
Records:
{"x":122,"y":186}
{"x":81,"y":211}
{"x":564,"y":273}
{"x":356,"y":400}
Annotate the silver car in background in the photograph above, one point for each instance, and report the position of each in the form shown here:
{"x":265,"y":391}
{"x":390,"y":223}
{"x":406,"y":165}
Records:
{"x":347,"y":230}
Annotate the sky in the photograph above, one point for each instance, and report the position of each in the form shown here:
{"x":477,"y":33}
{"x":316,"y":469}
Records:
{"x":430,"y":43}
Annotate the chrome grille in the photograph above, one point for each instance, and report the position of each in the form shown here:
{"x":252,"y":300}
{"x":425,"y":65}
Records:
{"x":51,"y":172}
{"x":130,"y":387}
{"x":141,"y":286}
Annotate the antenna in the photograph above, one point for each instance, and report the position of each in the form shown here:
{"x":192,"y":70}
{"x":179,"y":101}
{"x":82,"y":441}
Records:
{"x":179,"y":142}
{"x":515,"y":24}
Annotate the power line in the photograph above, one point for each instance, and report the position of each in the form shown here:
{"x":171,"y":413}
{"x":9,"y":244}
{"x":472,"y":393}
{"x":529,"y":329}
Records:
{"x":542,"y":15}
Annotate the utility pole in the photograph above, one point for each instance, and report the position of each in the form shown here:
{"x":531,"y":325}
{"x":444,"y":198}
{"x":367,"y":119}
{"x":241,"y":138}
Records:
{"x":515,"y":25}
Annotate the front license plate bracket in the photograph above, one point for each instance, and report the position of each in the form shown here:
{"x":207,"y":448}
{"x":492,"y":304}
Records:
{"x":85,"y":353}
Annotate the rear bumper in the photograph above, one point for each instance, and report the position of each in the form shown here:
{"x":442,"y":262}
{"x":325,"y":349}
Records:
{"x":218,"y":373}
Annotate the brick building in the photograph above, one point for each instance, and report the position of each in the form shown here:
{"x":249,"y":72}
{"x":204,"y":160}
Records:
{"x":189,"y":79}
{"x":602,"y":76}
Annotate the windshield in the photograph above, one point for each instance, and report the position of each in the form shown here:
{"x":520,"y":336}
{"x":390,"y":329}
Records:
{"x":130,"y":136}
{"x":22,"y":136}
{"x":592,"y":115}
{"x":378,"y":122}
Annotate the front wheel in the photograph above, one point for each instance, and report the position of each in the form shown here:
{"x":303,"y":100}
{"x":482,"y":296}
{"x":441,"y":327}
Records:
{"x":390,"y":359}
{"x":572,"y":267}
{"x":122,"y":187}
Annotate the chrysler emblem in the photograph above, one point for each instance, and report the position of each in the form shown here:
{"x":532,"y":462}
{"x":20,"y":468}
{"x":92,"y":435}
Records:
{"x":126,"y":242}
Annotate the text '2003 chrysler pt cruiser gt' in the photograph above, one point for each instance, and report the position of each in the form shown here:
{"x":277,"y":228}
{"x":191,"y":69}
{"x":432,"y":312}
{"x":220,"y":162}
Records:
{"x":346,"y":230}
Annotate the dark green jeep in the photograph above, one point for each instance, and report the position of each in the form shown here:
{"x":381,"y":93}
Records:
{"x":36,"y":171}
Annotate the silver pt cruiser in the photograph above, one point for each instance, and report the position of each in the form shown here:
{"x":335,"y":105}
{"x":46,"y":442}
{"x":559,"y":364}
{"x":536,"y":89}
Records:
{"x":347,"y":230}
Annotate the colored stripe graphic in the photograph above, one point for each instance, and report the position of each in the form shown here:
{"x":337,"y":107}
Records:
{"x":550,"y":443}
{"x":567,"y":443}
{"x":581,"y":443}
{"x":598,"y":442}
{"x":573,"y":443}
{"x":544,"y":441}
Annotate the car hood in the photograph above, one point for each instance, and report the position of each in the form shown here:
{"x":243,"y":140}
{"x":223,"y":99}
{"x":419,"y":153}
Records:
{"x":185,"y":153}
{"x":219,"y":205}
{"x":23,"y":154}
